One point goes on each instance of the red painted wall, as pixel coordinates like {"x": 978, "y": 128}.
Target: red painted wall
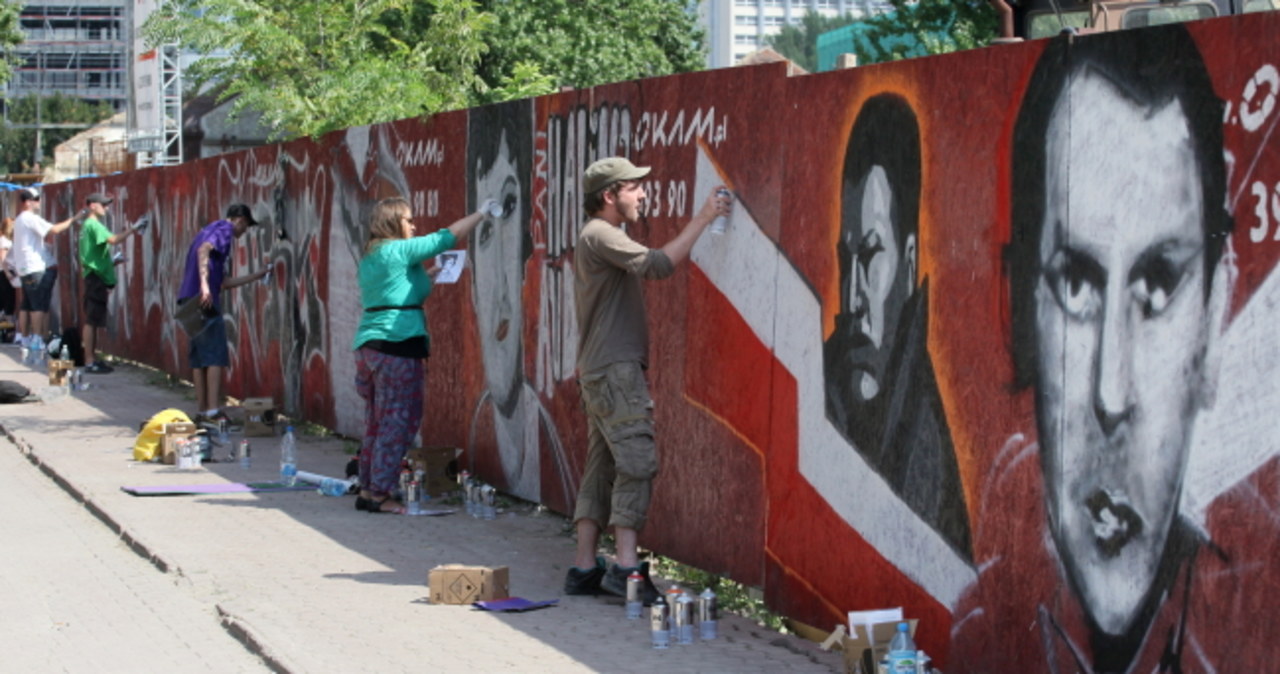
{"x": 760, "y": 478}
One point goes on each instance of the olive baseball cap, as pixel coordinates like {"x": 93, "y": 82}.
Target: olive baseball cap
{"x": 607, "y": 171}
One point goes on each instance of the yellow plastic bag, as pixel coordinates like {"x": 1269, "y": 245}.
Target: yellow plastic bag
{"x": 147, "y": 446}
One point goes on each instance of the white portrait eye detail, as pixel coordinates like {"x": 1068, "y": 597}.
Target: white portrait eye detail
{"x": 1076, "y": 285}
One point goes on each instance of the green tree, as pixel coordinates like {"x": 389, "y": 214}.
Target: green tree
{"x": 17, "y": 146}
{"x": 928, "y": 26}
{"x": 313, "y": 66}
{"x": 582, "y": 44}
{"x": 10, "y": 36}
{"x": 799, "y": 43}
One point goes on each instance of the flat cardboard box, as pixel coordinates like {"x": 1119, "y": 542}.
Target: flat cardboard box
{"x": 460, "y": 584}
{"x": 58, "y": 371}
{"x": 439, "y": 467}
{"x": 172, "y": 433}
{"x": 259, "y": 417}
{"x": 855, "y": 658}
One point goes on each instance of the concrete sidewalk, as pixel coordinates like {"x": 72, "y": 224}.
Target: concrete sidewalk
{"x": 312, "y": 585}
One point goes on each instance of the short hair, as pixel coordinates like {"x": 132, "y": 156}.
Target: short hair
{"x": 1154, "y": 68}
{"x": 384, "y": 221}
{"x": 593, "y": 202}
{"x": 885, "y": 134}
{"x": 486, "y": 127}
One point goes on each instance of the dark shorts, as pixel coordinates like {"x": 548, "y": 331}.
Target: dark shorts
{"x": 96, "y": 293}
{"x": 209, "y": 346}
{"x": 37, "y": 290}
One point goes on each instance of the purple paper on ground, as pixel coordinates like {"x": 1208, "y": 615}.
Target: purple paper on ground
{"x": 223, "y": 488}
{"x": 514, "y": 604}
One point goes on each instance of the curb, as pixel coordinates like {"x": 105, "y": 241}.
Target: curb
{"x": 233, "y": 625}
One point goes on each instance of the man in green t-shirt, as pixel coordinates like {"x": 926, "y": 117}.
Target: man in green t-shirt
{"x": 99, "y": 274}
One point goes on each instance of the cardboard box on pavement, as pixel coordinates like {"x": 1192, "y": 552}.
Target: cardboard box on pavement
{"x": 439, "y": 465}
{"x": 259, "y": 417}
{"x": 460, "y": 584}
{"x": 172, "y": 433}
{"x": 856, "y": 647}
{"x": 59, "y": 370}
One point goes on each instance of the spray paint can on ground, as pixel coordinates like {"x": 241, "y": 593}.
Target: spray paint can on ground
{"x": 635, "y": 602}
{"x": 410, "y": 494}
{"x": 683, "y": 618}
{"x": 488, "y": 505}
{"x": 708, "y": 615}
{"x": 242, "y": 452}
{"x": 660, "y": 623}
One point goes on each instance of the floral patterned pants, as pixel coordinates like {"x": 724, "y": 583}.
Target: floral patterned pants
{"x": 392, "y": 388}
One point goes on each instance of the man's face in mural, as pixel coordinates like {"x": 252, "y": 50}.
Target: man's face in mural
{"x": 497, "y": 268}
{"x": 1121, "y": 289}
{"x": 880, "y": 279}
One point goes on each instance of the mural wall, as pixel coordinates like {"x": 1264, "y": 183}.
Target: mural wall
{"x": 990, "y": 336}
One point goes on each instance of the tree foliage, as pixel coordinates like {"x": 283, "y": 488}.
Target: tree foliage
{"x": 10, "y": 36}
{"x": 313, "y": 66}
{"x": 799, "y": 43}
{"x": 939, "y": 26}
{"x": 581, "y": 44}
{"x": 17, "y": 146}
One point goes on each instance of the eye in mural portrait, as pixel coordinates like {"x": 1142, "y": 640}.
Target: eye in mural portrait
{"x": 881, "y": 390}
{"x": 499, "y": 159}
{"x": 1119, "y": 281}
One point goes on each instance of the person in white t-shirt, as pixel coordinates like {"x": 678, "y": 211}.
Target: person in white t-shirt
{"x": 13, "y": 298}
{"x": 35, "y": 263}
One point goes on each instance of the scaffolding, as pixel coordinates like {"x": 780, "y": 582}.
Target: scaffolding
{"x": 73, "y": 49}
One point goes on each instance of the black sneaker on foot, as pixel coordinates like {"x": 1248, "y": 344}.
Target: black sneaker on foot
{"x": 99, "y": 367}
{"x": 615, "y": 582}
{"x": 584, "y": 581}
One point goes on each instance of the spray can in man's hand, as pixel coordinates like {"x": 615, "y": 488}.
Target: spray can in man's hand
{"x": 721, "y": 222}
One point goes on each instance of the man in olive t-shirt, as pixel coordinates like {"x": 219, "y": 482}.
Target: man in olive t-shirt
{"x": 613, "y": 348}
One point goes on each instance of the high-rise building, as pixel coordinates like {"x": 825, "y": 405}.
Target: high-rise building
{"x": 736, "y": 28}
{"x": 76, "y": 48}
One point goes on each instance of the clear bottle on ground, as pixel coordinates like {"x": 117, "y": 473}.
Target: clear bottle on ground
{"x": 902, "y": 651}
{"x": 288, "y": 458}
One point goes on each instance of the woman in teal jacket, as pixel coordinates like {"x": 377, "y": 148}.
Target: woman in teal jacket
{"x": 392, "y": 342}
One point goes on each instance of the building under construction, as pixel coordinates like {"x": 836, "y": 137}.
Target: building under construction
{"x": 77, "y": 48}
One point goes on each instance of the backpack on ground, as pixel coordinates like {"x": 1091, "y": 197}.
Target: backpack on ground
{"x": 13, "y": 392}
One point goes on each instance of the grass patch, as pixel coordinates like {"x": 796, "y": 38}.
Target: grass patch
{"x": 731, "y": 595}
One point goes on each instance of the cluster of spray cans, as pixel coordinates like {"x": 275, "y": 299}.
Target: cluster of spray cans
{"x": 413, "y": 490}
{"x": 677, "y": 615}
{"x": 480, "y": 497}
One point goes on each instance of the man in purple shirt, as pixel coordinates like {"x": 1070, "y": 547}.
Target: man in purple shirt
{"x": 203, "y": 282}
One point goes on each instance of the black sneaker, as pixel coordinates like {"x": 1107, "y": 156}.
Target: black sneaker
{"x": 99, "y": 367}
{"x": 615, "y": 582}
{"x": 584, "y": 581}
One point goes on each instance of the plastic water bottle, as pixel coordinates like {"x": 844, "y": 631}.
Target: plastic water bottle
{"x": 288, "y": 458}
{"x": 902, "y": 651}
{"x": 65, "y": 353}
{"x": 332, "y": 486}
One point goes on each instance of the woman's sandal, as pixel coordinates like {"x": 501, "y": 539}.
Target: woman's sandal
{"x": 375, "y": 506}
